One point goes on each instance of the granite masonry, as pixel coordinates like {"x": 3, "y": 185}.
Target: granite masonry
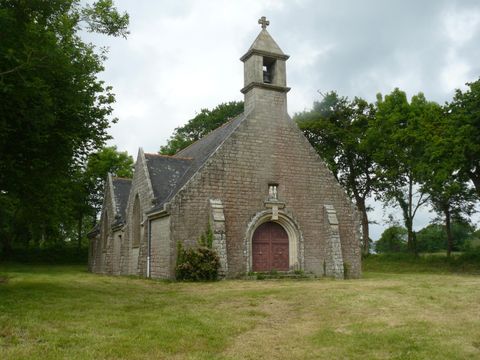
{"x": 268, "y": 197}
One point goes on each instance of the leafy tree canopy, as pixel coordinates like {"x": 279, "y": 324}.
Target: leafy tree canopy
{"x": 463, "y": 134}
{"x": 99, "y": 164}
{"x": 433, "y": 237}
{"x": 337, "y": 128}
{"x": 54, "y": 110}
{"x": 392, "y": 240}
{"x": 206, "y": 121}
{"x": 398, "y": 139}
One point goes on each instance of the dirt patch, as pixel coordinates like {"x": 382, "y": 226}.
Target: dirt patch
{"x": 3, "y": 280}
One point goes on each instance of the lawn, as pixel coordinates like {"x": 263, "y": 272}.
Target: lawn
{"x": 63, "y": 312}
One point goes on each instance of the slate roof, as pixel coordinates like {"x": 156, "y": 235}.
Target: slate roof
{"x": 170, "y": 173}
{"x": 94, "y": 232}
{"x": 165, "y": 172}
{"x": 121, "y": 191}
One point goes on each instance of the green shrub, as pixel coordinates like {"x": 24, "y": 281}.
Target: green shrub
{"x": 197, "y": 264}
{"x": 393, "y": 240}
{"x": 206, "y": 239}
{"x": 200, "y": 263}
{"x": 471, "y": 252}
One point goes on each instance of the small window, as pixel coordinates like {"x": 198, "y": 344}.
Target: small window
{"x": 268, "y": 70}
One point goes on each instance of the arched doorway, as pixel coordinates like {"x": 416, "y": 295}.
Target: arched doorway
{"x": 270, "y": 248}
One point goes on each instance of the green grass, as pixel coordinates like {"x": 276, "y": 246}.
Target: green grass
{"x": 436, "y": 263}
{"x": 63, "y": 312}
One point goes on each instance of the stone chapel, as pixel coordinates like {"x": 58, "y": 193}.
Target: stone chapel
{"x": 268, "y": 196}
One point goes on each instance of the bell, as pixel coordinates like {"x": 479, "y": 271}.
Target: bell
{"x": 266, "y": 77}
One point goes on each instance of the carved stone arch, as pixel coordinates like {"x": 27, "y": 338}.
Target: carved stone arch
{"x": 296, "y": 245}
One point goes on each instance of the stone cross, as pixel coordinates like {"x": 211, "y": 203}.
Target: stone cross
{"x": 264, "y": 22}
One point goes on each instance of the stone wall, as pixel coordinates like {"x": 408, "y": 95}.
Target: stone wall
{"x": 266, "y": 148}
{"x": 133, "y": 259}
{"x": 116, "y": 244}
{"x": 102, "y": 252}
{"x": 160, "y": 248}
{"x": 95, "y": 254}
{"x": 334, "y": 259}
{"x": 219, "y": 243}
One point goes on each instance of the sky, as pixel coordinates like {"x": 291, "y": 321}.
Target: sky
{"x": 183, "y": 55}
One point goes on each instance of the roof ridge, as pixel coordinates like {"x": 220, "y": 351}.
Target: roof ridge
{"x": 242, "y": 117}
{"x": 209, "y": 133}
{"x": 169, "y": 156}
{"x": 121, "y": 178}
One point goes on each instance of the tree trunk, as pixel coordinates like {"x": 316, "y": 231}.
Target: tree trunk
{"x": 448, "y": 229}
{"x": 79, "y": 234}
{"x": 365, "y": 228}
{"x": 411, "y": 238}
{"x": 475, "y": 177}
{"x": 409, "y": 221}
{"x": 95, "y": 217}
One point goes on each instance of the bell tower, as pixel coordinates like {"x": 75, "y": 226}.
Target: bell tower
{"x": 264, "y": 71}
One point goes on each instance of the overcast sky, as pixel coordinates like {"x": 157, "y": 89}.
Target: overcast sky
{"x": 182, "y": 56}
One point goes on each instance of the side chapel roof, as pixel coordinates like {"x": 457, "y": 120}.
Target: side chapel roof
{"x": 169, "y": 174}
{"x": 165, "y": 172}
{"x": 121, "y": 191}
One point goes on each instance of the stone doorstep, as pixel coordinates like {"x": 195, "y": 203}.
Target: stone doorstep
{"x": 279, "y": 275}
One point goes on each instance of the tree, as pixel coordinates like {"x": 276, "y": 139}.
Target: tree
{"x": 463, "y": 141}
{"x": 201, "y": 125}
{"x": 449, "y": 192}
{"x": 99, "y": 165}
{"x": 54, "y": 110}
{"x": 433, "y": 237}
{"x": 392, "y": 240}
{"x": 452, "y": 199}
{"x": 336, "y": 127}
{"x": 397, "y": 137}
{"x": 87, "y": 186}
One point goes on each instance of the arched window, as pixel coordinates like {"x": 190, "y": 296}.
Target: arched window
{"x": 136, "y": 222}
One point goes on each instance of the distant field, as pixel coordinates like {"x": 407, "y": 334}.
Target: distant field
{"x": 63, "y": 312}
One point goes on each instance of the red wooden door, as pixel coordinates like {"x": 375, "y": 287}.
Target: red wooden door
{"x": 270, "y": 248}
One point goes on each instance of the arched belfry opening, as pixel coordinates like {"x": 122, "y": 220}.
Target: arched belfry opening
{"x": 268, "y": 70}
{"x": 270, "y": 248}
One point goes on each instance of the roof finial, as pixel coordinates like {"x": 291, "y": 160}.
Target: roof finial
{"x": 264, "y": 22}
